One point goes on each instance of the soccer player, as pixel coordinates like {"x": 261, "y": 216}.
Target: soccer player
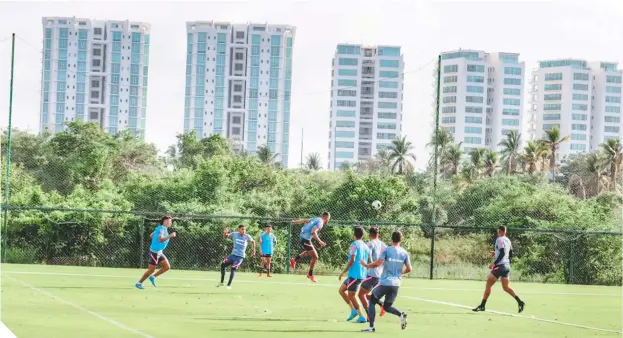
{"x": 155, "y": 255}
{"x": 240, "y": 239}
{"x": 309, "y": 231}
{"x": 356, "y": 274}
{"x": 392, "y": 259}
{"x": 267, "y": 244}
{"x": 500, "y": 268}
{"x": 376, "y": 246}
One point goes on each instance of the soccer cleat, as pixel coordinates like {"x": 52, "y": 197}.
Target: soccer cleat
{"x": 139, "y": 286}
{"x": 361, "y": 319}
{"x": 403, "y": 320}
{"x": 311, "y": 278}
{"x": 228, "y": 287}
{"x": 382, "y": 312}
{"x": 219, "y": 285}
{"x": 269, "y": 275}
{"x": 260, "y": 275}
{"x": 152, "y": 279}
{"x": 480, "y": 308}
{"x": 353, "y": 314}
{"x": 521, "y": 306}
{"x": 293, "y": 263}
{"x": 368, "y": 329}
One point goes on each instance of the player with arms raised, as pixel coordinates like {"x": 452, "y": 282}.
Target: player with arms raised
{"x": 393, "y": 259}
{"x": 376, "y": 246}
{"x": 500, "y": 268}
{"x": 309, "y": 231}
{"x": 359, "y": 252}
{"x": 155, "y": 255}
{"x": 267, "y": 245}
{"x": 240, "y": 239}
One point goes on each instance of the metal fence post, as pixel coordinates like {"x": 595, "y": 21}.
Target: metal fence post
{"x": 288, "y": 255}
{"x": 571, "y": 262}
{"x": 432, "y": 252}
{"x": 141, "y": 234}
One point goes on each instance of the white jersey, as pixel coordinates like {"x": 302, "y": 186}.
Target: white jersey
{"x": 376, "y": 247}
{"x": 503, "y": 243}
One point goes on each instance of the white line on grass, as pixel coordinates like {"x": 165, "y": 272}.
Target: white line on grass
{"x": 513, "y": 315}
{"x": 297, "y": 283}
{"x": 95, "y": 314}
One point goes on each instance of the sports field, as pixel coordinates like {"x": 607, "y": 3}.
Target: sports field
{"x": 55, "y": 301}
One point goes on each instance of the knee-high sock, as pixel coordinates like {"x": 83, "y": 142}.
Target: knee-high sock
{"x": 231, "y": 276}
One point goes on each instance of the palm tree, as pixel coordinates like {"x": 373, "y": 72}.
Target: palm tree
{"x": 597, "y": 170}
{"x": 552, "y": 141}
{"x": 477, "y": 158}
{"x": 491, "y": 162}
{"x": 614, "y": 152}
{"x": 452, "y": 159}
{"x": 313, "y": 162}
{"x": 400, "y": 155}
{"x": 265, "y": 155}
{"x": 382, "y": 158}
{"x": 510, "y": 150}
{"x": 469, "y": 174}
{"x": 345, "y": 166}
{"x": 543, "y": 154}
{"x": 444, "y": 140}
{"x": 531, "y": 157}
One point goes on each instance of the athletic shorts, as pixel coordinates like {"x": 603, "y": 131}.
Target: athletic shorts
{"x": 352, "y": 284}
{"x": 267, "y": 255}
{"x": 233, "y": 260}
{"x": 307, "y": 244}
{"x": 501, "y": 271}
{"x": 389, "y": 292}
{"x": 154, "y": 258}
{"x": 369, "y": 283}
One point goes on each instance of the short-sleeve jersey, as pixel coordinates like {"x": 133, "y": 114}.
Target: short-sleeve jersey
{"x": 240, "y": 243}
{"x": 395, "y": 258}
{"x": 503, "y": 243}
{"x": 306, "y": 231}
{"x": 156, "y": 245}
{"x": 360, "y": 251}
{"x": 268, "y": 243}
{"x": 376, "y": 247}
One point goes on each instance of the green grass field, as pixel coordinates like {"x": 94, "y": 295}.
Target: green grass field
{"x": 56, "y": 301}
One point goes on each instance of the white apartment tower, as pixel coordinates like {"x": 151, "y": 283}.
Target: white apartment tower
{"x": 582, "y": 99}
{"x": 94, "y": 71}
{"x": 481, "y": 97}
{"x": 238, "y": 84}
{"x": 366, "y": 102}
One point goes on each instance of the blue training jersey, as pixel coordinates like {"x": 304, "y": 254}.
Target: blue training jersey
{"x": 395, "y": 258}
{"x": 240, "y": 243}
{"x": 268, "y": 243}
{"x": 376, "y": 246}
{"x": 156, "y": 245}
{"x": 360, "y": 250}
{"x": 306, "y": 231}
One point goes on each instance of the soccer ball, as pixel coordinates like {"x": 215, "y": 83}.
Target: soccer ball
{"x": 376, "y": 205}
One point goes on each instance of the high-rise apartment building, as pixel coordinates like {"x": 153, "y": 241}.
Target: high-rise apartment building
{"x": 582, "y": 99}
{"x": 481, "y": 97}
{"x": 94, "y": 71}
{"x": 238, "y": 84}
{"x": 366, "y": 102}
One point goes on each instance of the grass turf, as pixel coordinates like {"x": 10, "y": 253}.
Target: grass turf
{"x": 58, "y": 301}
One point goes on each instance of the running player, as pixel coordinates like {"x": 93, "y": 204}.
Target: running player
{"x": 240, "y": 239}
{"x": 392, "y": 259}
{"x": 500, "y": 268}
{"x": 267, "y": 244}
{"x": 359, "y": 252}
{"x": 376, "y": 246}
{"x": 155, "y": 255}
{"x": 309, "y": 231}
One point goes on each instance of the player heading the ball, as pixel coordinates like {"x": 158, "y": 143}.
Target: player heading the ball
{"x": 155, "y": 255}
{"x": 267, "y": 246}
{"x": 309, "y": 231}
{"x": 240, "y": 239}
{"x": 501, "y": 268}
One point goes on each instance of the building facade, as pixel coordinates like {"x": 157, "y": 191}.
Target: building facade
{"x": 583, "y": 100}
{"x": 94, "y": 71}
{"x": 238, "y": 84}
{"x": 481, "y": 98}
{"x": 366, "y": 102}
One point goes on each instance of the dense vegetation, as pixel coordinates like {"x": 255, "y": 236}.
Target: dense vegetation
{"x": 56, "y": 179}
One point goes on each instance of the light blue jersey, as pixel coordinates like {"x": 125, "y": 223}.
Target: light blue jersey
{"x": 268, "y": 243}
{"x": 360, "y": 250}
{"x": 240, "y": 243}
{"x": 156, "y": 245}
{"x": 395, "y": 258}
{"x": 376, "y": 247}
{"x": 306, "y": 231}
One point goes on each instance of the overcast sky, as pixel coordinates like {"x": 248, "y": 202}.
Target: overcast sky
{"x": 589, "y": 29}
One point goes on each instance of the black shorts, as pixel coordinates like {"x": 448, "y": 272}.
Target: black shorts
{"x": 307, "y": 244}
{"x": 352, "y": 284}
{"x": 267, "y": 255}
{"x": 153, "y": 258}
{"x": 389, "y": 292}
{"x": 501, "y": 271}
{"x": 369, "y": 283}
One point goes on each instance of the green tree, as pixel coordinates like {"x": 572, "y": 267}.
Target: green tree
{"x": 491, "y": 162}
{"x": 313, "y": 162}
{"x": 477, "y": 159}
{"x": 614, "y": 152}
{"x": 510, "y": 150}
{"x": 451, "y": 161}
{"x": 552, "y": 141}
{"x": 530, "y": 157}
{"x": 401, "y": 156}
{"x": 444, "y": 140}
{"x": 265, "y": 155}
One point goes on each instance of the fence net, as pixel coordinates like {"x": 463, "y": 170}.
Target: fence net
{"x": 84, "y": 197}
